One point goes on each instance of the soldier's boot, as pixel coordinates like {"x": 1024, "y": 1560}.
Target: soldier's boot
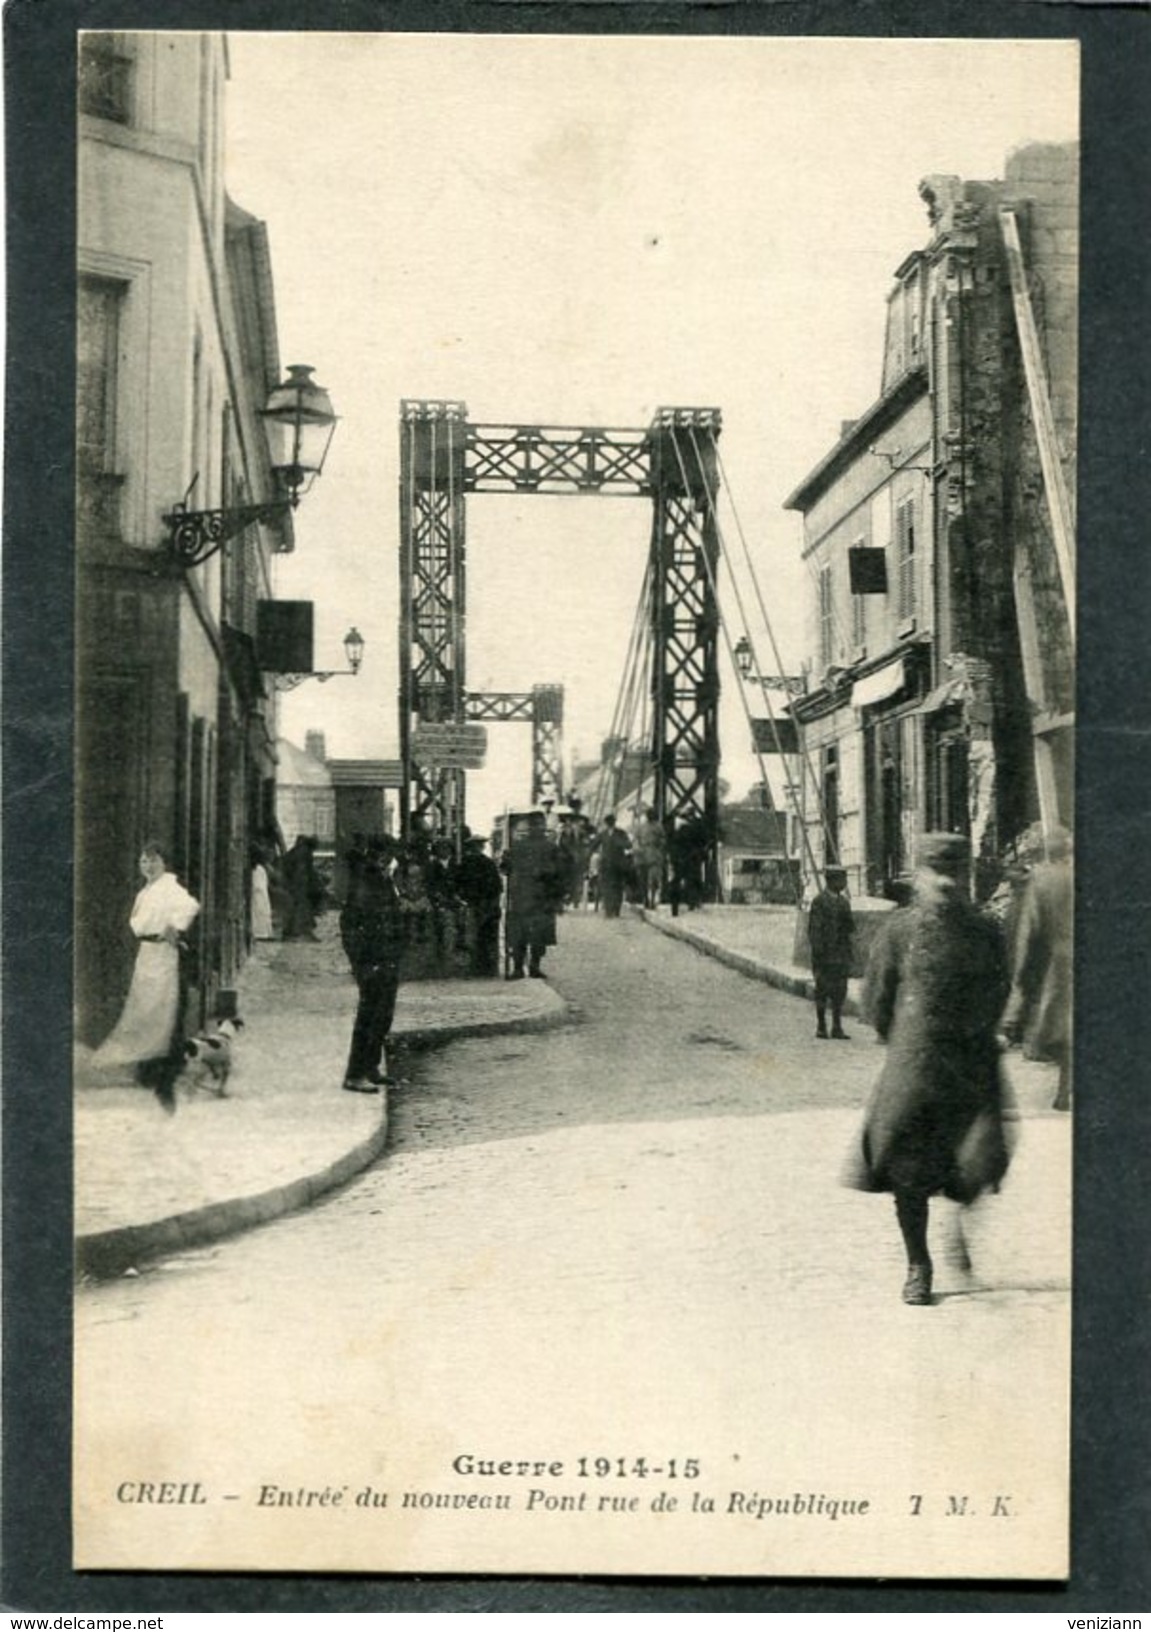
{"x": 911, "y": 1211}
{"x": 837, "y": 1030}
{"x": 820, "y": 1020}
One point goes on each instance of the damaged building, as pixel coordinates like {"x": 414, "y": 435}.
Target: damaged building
{"x": 939, "y": 537}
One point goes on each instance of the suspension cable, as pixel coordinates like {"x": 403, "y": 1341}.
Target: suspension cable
{"x": 829, "y": 838}
{"x": 645, "y": 679}
{"x": 623, "y": 695}
{"x": 711, "y": 575}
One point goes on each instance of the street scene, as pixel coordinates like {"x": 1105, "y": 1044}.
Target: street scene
{"x": 628, "y": 1231}
{"x": 572, "y": 1040}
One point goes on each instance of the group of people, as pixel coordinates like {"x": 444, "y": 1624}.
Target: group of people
{"x": 606, "y": 866}
{"x": 946, "y": 992}
{"x": 943, "y": 989}
{"x": 286, "y": 888}
{"x": 441, "y": 891}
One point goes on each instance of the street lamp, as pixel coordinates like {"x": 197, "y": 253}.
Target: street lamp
{"x": 353, "y": 646}
{"x": 794, "y": 684}
{"x": 299, "y": 423}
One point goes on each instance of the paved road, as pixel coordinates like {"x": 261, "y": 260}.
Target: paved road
{"x": 622, "y": 1239}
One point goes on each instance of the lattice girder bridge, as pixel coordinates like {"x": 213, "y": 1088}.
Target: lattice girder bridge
{"x": 672, "y": 463}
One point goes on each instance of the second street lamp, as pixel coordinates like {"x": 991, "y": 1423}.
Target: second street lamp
{"x": 353, "y": 646}
{"x": 794, "y": 684}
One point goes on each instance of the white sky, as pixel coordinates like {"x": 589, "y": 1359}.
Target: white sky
{"x": 572, "y": 230}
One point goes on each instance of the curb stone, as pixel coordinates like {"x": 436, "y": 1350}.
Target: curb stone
{"x": 107, "y": 1254}
{"x": 798, "y": 985}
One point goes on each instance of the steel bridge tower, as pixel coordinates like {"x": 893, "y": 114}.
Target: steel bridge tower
{"x": 672, "y": 462}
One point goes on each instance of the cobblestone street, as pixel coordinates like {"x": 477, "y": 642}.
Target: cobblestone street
{"x": 623, "y": 1238}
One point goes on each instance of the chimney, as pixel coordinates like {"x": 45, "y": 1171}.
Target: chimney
{"x": 315, "y": 746}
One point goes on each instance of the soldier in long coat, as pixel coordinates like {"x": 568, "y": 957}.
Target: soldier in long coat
{"x": 477, "y": 882}
{"x": 535, "y": 888}
{"x": 1039, "y": 1009}
{"x": 373, "y": 932}
{"x": 831, "y": 932}
{"x": 614, "y": 849}
{"x": 935, "y": 989}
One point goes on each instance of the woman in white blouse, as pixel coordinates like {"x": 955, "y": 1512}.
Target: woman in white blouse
{"x": 145, "y": 1034}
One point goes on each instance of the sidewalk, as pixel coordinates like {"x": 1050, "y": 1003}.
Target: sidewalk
{"x": 759, "y": 942}
{"x": 147, "y": 1183}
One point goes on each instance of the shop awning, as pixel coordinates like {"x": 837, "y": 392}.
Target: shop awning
{"x": 884, "y": 683}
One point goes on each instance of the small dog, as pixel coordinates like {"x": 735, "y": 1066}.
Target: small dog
{"x": 209, "y": 1056}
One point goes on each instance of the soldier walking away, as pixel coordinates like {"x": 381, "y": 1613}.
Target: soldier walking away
{"x": 936, "y": 984}
{"x": 1039, "y": 1009}
{"x": 372, "y": 932}
{"x": 535, "y": 884}
{"x": 614, "y": 850}
{"x": 650, "y": 849}
{"x": 831, "y": 932}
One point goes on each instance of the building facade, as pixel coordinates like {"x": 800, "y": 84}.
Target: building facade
{"x": 305, "y": 796}
{"x": 940, "y": 646}
{"x": 177, "y": 351}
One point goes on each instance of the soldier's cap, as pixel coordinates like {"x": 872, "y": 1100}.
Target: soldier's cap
{"x": 943, "y": 852}
{"x": 834, "y": 872}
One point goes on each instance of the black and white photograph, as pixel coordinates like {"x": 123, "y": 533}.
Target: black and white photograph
{"x": 575, "y": 676}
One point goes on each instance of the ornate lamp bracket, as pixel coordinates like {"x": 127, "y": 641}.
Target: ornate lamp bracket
{"x": 195, "y": 535}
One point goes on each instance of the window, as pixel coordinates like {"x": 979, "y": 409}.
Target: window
{"x": 97, "y": 365}
{"x": 905, "y": 559}
{"x": 106, "y": 77}
{"x": 826, "y": 617}
{"x": 914, "y": 319}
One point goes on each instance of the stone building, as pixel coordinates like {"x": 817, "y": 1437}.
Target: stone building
{"x": 177, "y": 351}
{"x": 938, "y": 533}
{"x": 305, "y": 796}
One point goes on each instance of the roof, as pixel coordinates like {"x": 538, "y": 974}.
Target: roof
{"x": 882, "y": 413}
{"x": 591, "y": 784}
{"x": 295, "y": 768}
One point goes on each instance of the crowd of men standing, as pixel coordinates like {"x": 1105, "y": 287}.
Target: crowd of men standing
{"x": 429, "y": 895}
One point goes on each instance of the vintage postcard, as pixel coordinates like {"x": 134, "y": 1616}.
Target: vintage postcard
{"x": 575, "y": 571}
